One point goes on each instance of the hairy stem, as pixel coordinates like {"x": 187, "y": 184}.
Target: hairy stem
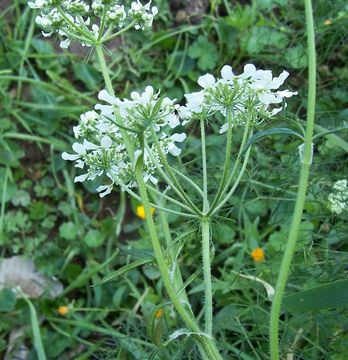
{"x": 190, "y": 322}
{"x": 208, "y": 293}
{"x": 204, "y": 167}
{"x": 110, "y": 90}
{"x": 302, "y": 189}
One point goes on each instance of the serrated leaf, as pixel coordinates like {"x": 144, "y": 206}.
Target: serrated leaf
{"x": 331, "y": 295}
{"x": 205, "y": 52}
{"x": 264, "y": 36}
{"x": 68, "y": 231}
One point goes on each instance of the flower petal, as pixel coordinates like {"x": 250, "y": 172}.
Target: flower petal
{"x": 70, "y": 157}
{"x": 105, "y": 96}
{"x": 81, "y": 178}
{"x": 226, "y": 72}
{"x": 105, "y": 142}
{"x": 178, "y": 137}
{"x": 206, "y": 81}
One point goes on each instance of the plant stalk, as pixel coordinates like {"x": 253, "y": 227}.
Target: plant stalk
{"x": 208, "y": 292}
{"x": 110, "y": 90}
{"x": 208, "y": 344}
{"x": 302, "y": 189}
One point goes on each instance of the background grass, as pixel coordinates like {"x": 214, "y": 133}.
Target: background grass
{"x": 71, "y": 234}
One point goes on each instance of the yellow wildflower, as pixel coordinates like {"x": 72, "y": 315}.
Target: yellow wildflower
{"x": 63, "y": 310}
{"x": 159, "y": 313}
{"x": 140, "y": 212}
{"x": 258, "y": 255}
{"x": 328, "y": 22}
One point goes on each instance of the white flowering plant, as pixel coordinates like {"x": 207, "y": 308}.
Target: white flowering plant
{"x": 91, "y": 24}
{"x": 130, "y": 142}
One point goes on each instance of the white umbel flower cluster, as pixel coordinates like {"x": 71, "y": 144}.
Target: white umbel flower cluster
{"x": 76, "y": 19}
{"x": 101, "y": 151}
{"x": 253, "y": 91}
{"x": 338, "y": 198}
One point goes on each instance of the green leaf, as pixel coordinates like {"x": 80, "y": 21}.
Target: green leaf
{"x": 205, "y": 52}
{"x": 296, "y": 57}
{"x": 21, "y": 198}
{"x": 88, "y": 75}
{"x": 133, "y": 265}
{"x": 332, "y": 295}
{"x": 94, "y": 238}
{"x": 274, "y": 131}
{"x": 264, "y": 36}
{"x": 7, "y": 300}
{"x": 38, "y": 210}
{"x": 68, "y": 231}
{"x": 36, "y": 331}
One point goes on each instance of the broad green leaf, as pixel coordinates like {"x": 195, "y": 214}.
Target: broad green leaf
{"x": 7, "y": 300}
{"x": 88, "y": 75}
{"x": 94, "y": 238}
{"x": 331, "y": 295}
{"x": 296, "y": 57}
{"x": 68, "y": 231}
{"x": 205, "y": 52}
{"x": 262, "y": 37}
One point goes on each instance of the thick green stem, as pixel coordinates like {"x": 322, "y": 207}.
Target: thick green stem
{"x": 302, "y": 189}
{"x": 208, "y": 293}
{"x": 110, "y": 90}
{"x": 104, "y": 69}
{"x": 177, "y": 277}
{"x": 161, "y": 261}
{"x": 205, "y": 228}
{"x": 204, "y": 167}
{"x": 208, "y": 344}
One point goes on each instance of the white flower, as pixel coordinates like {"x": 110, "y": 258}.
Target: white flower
{"x": 141, "y": 110}
{"x": 65, "y": 43}
{"x": 142, "y": 15}
{"x": 74, "y": 19}
{"x": 116, "y": 15}
{"x": 251, "y": 91}
{"x": 76, "y": 6}
{"x": 102, "y": 152}
{"x": 338, "y": 198}
{"x": 37, "y": 4}
{"x": 206, "y": 81}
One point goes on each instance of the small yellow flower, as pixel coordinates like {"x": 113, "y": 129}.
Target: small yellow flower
{"x": 328, "y": 22}
{"x": 140, "y": 212}
{"x": 159, "y": 313}
{"x": 63, "y": 310}
{"x": 258, "y": 255}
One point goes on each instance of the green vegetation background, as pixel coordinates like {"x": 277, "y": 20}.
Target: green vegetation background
{"x": 70, "y": 233}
